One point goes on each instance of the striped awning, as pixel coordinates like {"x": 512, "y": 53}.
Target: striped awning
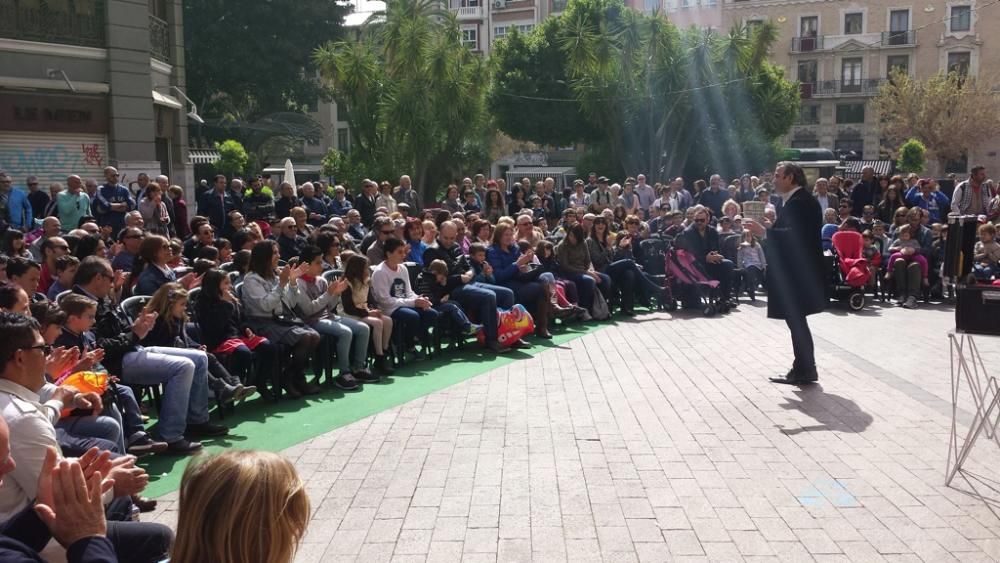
{"x": 202, "y": 156}
{"x": 882, "y": 167}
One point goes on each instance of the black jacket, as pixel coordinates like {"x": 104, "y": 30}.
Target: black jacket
{"x": 24, "y": 535}
{"x": 218, "y": 321}
{"x": 796, "y": 268}
{"x": 366, "y": 207}
{"x": 700, "y": 246}
{"x": 457, "y": 262}
{"x": 113, "y": 332}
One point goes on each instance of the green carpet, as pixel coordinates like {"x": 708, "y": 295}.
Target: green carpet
{"x": 265, "y": 425}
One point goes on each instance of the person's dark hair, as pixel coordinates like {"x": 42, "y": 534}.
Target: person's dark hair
{"x": 241, "y": 262}
{"x": 9, "y": 237}
{"x": 209, "y": 253}
{"x": 90, "y": 268}
{"x": 325, "y": 240}
{"x": 976, "y": 168}
{"x": 476, "y": 247}
{"x": 599, "y": 220}
{"x": 71, "y": 242}
{"x": 391, "y": 244}
{"x": 211, "y": 287}
{"x": 218, "y": 177}
{"x": 86, "y": 219}
{"x": 221, "y": 244}
{"x": 19, "y": 333}
{"x": 8, "y": 297}
{"x": 578, "y": 233}
{"x": 128, "y": 231}
{"x": 355, "y": 267}
{"x": 47, "y": 313}
{"x": 310, "y": 253}
{"x": 48, "y": 244}
{"x": 542, "y": 246}
{"x": 412, "y": 223}
{"x": 261, "y": 258}
{"x": 75, "y": 304}
{"x": 17, "y": 266}
{"x": 798, "y": 175}
{"x": 196, "y": 222}
{"x": 148, "y": 249}
{"x": 202, "y": 265}
{"x": 240, "y": 238}
{"x": 852, "y": 223}
{"x": 87, "y": 246}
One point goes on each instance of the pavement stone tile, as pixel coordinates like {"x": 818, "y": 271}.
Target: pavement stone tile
{"x": 651, "y": 440}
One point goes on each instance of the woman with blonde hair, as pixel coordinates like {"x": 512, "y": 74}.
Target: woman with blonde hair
{"x": 240, "y": 506}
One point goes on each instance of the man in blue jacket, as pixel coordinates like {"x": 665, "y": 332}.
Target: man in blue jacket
{"x": 113, "y": 200}
{"x": 14, "y": 205}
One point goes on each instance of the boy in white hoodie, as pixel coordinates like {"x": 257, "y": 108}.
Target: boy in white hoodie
{"x": 395, "y": 297}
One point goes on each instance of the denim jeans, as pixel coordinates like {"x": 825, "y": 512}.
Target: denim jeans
{"x": 481, "y": 300}
{"x": 414, "y": 323}
{"x": 103, "y": 427}
{"x": 349, "y": 334}
{"x": 455, "y": 313}
{"x": 184, "y": 375}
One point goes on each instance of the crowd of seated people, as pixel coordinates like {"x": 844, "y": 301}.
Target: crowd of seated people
{"x": 250, "y": 292}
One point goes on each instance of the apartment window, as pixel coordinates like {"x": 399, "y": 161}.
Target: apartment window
{"x": 809, "y": 26}
{"x": 853, "y": 23}
{"x": 959, "y": 62}
{"x": 651, "y": 5}
{"x": 752, "y": 26}
{"x": 850, "y": 113}
{"x": 470, "y": 38}
{"x": 850, "y": 71}
{"x": 897, "y": 62}
{"x": 807, "y": 72}
{"x": 344, "y": 140}
{"x": 959, "y": 166}
{"x": 499, "y": 32}
{"x": 470, "y": 3}
{"x": 961, "y": 18}
{"x": 525, "y": 28}
{"x": 899, "y": 20}
{"x": 809, "y": 114}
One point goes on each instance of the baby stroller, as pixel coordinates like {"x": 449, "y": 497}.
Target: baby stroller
{"x": 849, "y": 273}
{"x": 687, "y": 280}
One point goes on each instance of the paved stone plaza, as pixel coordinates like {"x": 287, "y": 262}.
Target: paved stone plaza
{"x": 660, "y": 439}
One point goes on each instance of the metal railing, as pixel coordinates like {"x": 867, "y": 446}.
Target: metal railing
{"x": 159, "y": 39}
{"x": 857, "y": 86}
{"x": 807, "y": 44}
{"x": 894, "y": 38}
{"x": 79, "y": 22}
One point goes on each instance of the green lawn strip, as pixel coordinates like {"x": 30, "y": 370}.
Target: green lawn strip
{"x": 265, "y": 425}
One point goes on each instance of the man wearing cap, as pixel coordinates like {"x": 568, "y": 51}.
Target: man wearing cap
{"x": 601, "y": 198}
{"x": 38, "y": 199}
{"x": 365, "y": 203}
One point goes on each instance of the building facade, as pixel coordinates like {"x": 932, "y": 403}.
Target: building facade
{"x": 89, "y": 83}
{"x": 841, "y": 51}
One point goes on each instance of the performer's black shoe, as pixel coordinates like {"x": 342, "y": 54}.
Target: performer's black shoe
{"x": 796, "y": 376}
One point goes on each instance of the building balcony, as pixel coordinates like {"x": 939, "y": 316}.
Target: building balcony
{"x": 855, "y": 87}
{"x": 467, "y": 13}
{"x": 899, "y": 38}
{"x": 159, "y": 39}
{"x": 807, "y": 44}
{"x": 75, "y": 22}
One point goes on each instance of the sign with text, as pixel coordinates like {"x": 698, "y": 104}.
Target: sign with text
{"x": 53, "y": 114}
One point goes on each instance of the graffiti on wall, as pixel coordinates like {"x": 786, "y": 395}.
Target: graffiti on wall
{"x": 52, "y": 162}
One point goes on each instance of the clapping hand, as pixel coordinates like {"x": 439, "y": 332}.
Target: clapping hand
{"x": 144, "y": 324}
{"x": 338, "y": 286}
{"x": 69, "y": 496}
{"x": 61, "y": 360}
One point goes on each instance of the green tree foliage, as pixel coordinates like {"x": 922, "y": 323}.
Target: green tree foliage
{"x": 333, "y": 163}
{"x": 413, "y": 95}
{"x": 663, "y": 99}
{"x": 252, "y": 59}
{"x": 233, "y": 158}
{"x": 912, "y": 156}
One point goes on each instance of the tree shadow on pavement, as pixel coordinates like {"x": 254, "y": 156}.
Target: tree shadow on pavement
{"x": 833, "y": 412}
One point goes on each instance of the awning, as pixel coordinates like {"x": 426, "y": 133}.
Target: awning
{"x": 202, "y": 156}
{"x": 882, "y": 167}
{"x": 165, "y": 100}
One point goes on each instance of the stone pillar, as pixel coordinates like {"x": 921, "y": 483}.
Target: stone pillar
{"x": 131, "y": 135}
{"x": 182, "y": 173}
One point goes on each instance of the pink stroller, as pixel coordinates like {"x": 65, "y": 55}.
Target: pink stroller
{"x": 850, "y": 274}
{"x": 691, "y": 284}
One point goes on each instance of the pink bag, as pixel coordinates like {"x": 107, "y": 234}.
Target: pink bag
{"x": 513, "y": 325}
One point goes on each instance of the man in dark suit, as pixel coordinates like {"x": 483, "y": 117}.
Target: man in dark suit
{"x": 365, "y": 203}
{"x": 702, "y": 241}
{"x": 796, "y": 267}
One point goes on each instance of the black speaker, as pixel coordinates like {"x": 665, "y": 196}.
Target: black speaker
{"x": 958, "y": 248}
{"x": 977, "y": 309}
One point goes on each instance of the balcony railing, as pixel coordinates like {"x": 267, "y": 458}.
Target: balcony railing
{"x": 469, "y": 12}
{"x": 850, "y": 87}
{"x": 77, "y": 22}
{"x": 807, "y": 44}
{"x": 896, "y": 38}
{"x": 159, "y": 39}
